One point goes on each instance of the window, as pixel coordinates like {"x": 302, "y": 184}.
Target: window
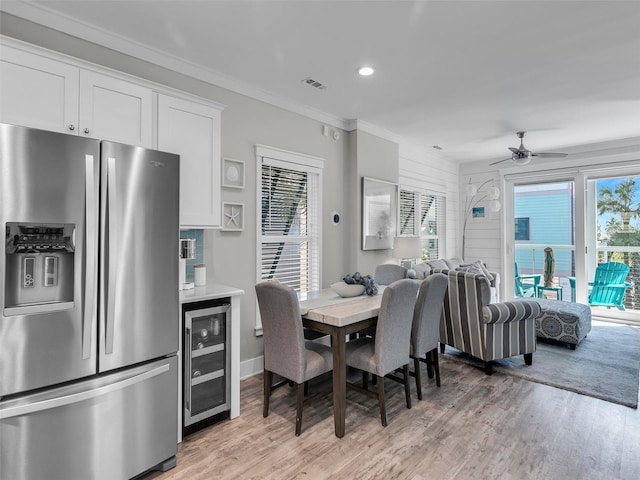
{"x": 289, "y": 233}
{"x": 521, "y": 226}
{"x": 423, "y": 215}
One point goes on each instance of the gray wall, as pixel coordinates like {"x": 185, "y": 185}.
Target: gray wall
{"x": 375, "y": 158}
{"x": 231, "y": 256}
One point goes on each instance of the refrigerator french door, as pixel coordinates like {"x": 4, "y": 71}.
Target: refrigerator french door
{"x": 89, "y": 306}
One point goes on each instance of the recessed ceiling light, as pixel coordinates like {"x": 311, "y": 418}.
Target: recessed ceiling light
{"x": 366, "y": 71}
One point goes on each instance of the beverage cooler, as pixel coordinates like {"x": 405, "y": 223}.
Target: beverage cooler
{"x": 206, "y": 361}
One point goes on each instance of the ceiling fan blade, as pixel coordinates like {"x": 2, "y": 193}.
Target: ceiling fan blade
{"x": 500, "y": 161}
{"x": 549, "y": 155}
{"x": 514, "y": 150}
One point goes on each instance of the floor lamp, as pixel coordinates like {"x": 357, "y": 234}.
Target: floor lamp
{"x": 475, "y": 195}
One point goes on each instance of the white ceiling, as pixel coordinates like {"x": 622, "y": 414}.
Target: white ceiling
{"x": 465, "y": 75}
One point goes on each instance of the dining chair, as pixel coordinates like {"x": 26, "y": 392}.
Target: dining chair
{"x": 387, "y": 273}
{"x": 425, "y": 330}
{"x": 286, "y": 352}
{"x": 389, "y": 350}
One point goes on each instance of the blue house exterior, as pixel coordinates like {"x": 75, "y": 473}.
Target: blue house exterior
{"x": 547, "y": 211}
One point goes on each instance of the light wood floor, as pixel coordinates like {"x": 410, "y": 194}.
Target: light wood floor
{"x": 473, "y": 427}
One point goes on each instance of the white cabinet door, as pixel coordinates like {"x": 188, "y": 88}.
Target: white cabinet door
{"x": 116, "y": 110}
{"x": 192, "y": 130}
{"x": 38, "y": 92}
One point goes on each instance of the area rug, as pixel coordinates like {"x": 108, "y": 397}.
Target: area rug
{"x": 604, "y": 365}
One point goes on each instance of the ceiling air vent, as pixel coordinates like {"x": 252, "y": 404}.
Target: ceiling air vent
{"x": 314, "y": 83}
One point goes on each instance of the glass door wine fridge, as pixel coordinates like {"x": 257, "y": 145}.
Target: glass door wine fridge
{"x": 206, "y": 363}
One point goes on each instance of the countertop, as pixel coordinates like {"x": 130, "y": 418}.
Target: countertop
{"x": 208, "y": 292}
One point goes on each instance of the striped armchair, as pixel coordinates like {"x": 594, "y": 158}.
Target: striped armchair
{"x": 486, "y": 330}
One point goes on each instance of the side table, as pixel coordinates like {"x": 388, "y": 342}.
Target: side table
{"x": 540, "y": 289}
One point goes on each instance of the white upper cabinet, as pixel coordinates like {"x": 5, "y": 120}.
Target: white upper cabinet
{"x": 38, "y": 92}
{"x": 192, "y": 130}
{"x": 44, "y": 93}
{"x": 116, "y": 110}
{"x": 44, "y": 90}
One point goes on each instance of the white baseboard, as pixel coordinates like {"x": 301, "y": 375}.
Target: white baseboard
{"x": 251, "y": 367}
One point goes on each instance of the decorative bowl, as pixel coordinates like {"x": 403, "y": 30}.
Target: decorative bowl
{"x": 345, "y": 290}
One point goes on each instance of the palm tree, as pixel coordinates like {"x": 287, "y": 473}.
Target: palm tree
{"x": 621, "y": 200}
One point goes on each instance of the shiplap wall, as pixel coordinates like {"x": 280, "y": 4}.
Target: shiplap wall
{"x": 428, "y": 172}
{"x": 483, "y": 235}
{"x": 486, "y": 239}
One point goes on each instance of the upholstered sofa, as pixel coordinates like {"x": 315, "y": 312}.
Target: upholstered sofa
{"x": 487, "y": 331}
{"x": 458, "y": 264}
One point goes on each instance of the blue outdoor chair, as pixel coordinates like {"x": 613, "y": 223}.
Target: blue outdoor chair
{"x": 609, "y": 285}
{"x": 526, "y": 289}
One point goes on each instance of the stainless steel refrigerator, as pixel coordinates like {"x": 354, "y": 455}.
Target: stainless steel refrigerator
{"x": 89, "y": 307}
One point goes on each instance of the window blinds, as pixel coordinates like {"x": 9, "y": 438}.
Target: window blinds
{"x": 424, "y": 215}
{"x": 289, "y": 226}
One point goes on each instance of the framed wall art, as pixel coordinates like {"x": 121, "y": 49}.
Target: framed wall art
{"x": 232, "y": 217}
{"x": 477, "y": 212}
{"x": 379, "y": 214}
{"x": 232, "y": 173}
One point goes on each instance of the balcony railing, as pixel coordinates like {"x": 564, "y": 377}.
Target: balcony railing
{"x": 530, "y": 259}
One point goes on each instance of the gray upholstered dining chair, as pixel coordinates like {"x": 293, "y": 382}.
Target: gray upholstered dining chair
{"x": 389, "y": 350}
{"x": 286, "y": 352}
{"x": 425, "y": 330}
{"x": 388, "y": 273}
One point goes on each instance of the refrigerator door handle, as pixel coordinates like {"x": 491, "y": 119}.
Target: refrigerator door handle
{"x": 112, "y": 259}
{"x": 188, "y": 372}
{"x": 81, "y": 396}
{"x": 91, "y": 254}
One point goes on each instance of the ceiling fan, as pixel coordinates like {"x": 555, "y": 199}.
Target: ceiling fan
{"x": 522, "y": 155}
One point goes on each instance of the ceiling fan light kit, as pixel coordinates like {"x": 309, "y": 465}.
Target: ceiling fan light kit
{"x": 522, "y": 155}
{"x": 521, "y": 160}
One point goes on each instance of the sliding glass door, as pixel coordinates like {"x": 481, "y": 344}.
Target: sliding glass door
{"x": 544, "y": 236}
{"x": 565, "y": 229}
{"x": 615, "y": 241}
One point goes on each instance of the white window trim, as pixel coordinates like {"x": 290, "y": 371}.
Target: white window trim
{"x": 580, "y": 177}
{"x": 422, "y": 192}
{"x": 285, "y": 159}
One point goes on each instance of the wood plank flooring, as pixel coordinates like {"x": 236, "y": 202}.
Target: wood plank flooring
{"x": 473, "y": 427}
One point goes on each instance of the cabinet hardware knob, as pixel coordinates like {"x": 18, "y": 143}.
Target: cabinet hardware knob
{"x": 72, "y": 127}
{"x": 86, "y": 131}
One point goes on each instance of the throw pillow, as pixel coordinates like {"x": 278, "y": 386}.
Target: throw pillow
{"x": 439, "y": 264}
{"x": 471, "y": 268}
{"x": 422, "y": 270}
{"x": 474, "y": 269}
{"x": 479, "y": 265}
{"x": 454, "y": 262}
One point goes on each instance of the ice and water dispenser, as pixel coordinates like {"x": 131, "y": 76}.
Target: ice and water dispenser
{"x": 39, "y": 266}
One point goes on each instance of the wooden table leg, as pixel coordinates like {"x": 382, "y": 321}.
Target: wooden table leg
{"x": 339, "y": 381}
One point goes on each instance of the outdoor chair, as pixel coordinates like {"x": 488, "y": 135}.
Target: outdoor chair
{"x": 526, "y": 289}
{"x": 609, "y": 285}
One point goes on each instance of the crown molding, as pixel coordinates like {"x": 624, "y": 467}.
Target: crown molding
{"x": 362, "y": 126}
{"x": 46, "y": 17}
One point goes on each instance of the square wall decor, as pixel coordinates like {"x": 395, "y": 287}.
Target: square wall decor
{"x": 232, "y": 217}
{"x": 232, "y": 173}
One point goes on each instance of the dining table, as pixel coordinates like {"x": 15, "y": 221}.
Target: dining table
{"x": 326, "y": 312}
